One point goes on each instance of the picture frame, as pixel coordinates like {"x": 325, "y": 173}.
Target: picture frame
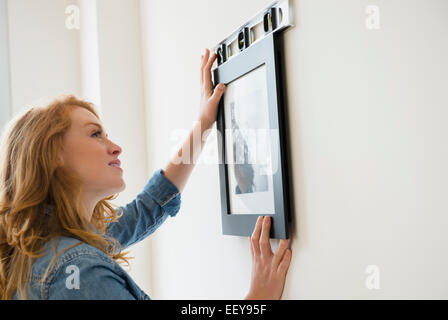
{"x": 251, "y": 128}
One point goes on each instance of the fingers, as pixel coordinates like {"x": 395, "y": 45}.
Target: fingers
{"x": 203, "y": 63}
{"x": 279, "y": 253}
{"x": 265, "y": 245}
{"x": 207, "y": 61}
{"x": 217, "y": 94}
{"x": 206, "y": 72}
{"x": 202, "y": 66}
{"x": 208, "y": 85}
{"x": 255, "y": 238}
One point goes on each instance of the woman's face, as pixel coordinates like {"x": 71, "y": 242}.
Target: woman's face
{"x": 88, "y": 152}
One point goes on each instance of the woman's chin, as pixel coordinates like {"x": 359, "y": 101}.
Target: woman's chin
{"x": 119, "y": 187}
{"x": 123, "y": 186}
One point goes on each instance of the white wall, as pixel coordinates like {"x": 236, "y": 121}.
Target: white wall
{"x": 5, "y": 87}
{"x": 44, "y": 54}
{"x": 367, "y": 113}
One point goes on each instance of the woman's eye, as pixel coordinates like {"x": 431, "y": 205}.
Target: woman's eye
{"x": 96, "y": 133}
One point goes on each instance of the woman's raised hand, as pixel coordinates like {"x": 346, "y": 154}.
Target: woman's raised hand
{"x": 210, "y": 96}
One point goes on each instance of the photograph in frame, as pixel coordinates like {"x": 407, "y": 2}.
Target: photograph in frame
{"x": 248, "y": 147}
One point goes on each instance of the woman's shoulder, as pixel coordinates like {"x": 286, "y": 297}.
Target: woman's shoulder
{"x": 69, "y": 264}
{"x": 59, "y": 251}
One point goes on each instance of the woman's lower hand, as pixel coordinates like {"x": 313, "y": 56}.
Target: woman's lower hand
{"x": 268, "y": 269}
{"x": 210, "y": 96}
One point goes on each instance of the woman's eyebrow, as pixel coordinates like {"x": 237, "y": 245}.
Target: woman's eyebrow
{"x": 96, "y": 124}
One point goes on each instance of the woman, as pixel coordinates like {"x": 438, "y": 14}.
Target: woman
{"x": 60, "y": 238}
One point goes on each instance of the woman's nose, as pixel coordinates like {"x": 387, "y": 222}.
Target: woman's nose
{"x": 116, "y": 149}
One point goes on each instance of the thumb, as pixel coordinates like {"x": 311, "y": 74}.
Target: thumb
{"x": 217, "y": 93}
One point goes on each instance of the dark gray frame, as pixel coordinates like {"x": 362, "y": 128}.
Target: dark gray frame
{"x": 266, "y": 51}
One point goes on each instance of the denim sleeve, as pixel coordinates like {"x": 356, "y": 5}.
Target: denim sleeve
{"x": 87, "y": 277}
{"x": 159, "y": 199}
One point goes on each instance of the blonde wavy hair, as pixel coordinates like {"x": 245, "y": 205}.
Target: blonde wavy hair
{"x": 31, "y": 179}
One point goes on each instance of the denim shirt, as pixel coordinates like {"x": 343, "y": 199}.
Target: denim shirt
{"x": 85, "y": 272}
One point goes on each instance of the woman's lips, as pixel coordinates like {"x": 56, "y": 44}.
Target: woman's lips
{"x": 116, "y": 167}
{"x": 116, "y": 164}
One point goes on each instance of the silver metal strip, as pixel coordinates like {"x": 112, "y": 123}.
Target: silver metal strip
{"x": 275, "y": 17}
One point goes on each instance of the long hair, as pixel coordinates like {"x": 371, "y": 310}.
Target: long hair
{"x": 31, "y": 181}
